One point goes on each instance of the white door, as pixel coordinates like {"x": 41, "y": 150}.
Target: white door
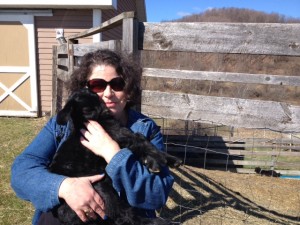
{"x": 18, "y": 76}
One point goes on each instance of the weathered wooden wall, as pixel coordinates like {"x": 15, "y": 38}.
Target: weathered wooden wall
{"x": 217, "y": 104}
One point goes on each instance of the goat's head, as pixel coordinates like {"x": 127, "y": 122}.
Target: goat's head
{"x": 82, "y": 105}
{"x": 257, "y": 169}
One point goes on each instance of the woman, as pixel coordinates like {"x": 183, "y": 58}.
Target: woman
{"x": 115, "y": 79}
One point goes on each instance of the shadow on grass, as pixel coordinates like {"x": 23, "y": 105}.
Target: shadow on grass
{"x": 198, "y": 195}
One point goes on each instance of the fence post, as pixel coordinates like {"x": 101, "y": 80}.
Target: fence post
{"x": 54, "y": 80}
{"x": 71, "y": 55}
{"x": 130, "y": 36}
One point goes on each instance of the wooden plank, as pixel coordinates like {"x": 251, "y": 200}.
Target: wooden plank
{"x": 266, "y": 92}
{"x": 62, "y": 49}
{"x": 232, "y": 144}
{"x": 198, "y": 150}
{"x": 62, "y": 62}
{"x": 109, "y": 24}
{"x": 82, "y": 49}
{"x": 229, "y": 145}
{"x": 249, "y": 140}
{"x": 63, "y": 75}
{"x": 71, "y": 60}
{"x": 221, "y": 110}
{"x": 250, "y": 38}
{"x": 223, "y": 76}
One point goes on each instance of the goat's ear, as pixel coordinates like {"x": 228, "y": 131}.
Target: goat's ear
{"x": 64, "y": 115}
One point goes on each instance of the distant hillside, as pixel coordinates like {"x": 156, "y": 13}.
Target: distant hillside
{"x": 237, "y": 15}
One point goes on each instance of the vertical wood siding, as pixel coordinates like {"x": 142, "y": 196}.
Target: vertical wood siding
{"x": 123, "y": 6}
{"x": 72, "y": 21}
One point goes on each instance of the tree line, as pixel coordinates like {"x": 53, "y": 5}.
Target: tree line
{"x": 237, "y": 15}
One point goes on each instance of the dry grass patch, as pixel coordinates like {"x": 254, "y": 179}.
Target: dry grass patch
{"x": 217, "y": 197}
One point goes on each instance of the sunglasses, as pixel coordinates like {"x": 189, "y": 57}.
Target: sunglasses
{"x": 99, "y": 85}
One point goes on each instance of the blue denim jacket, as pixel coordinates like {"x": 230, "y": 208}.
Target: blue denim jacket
{"x": 31, "y": 180}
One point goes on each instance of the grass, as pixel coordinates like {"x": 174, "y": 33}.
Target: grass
{"x": 15, "y": 135}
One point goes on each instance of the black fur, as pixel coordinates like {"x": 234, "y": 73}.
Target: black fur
{"x": 268, "y": 173}
{"x": 74, "y": 160}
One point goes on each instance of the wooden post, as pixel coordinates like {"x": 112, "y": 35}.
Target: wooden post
{"x": 54, "y": 80}
{"x": 130, "y": 36}
{"x": 71, "y": 55}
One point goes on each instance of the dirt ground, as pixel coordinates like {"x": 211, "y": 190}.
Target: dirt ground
{"x": 216, "y": 197}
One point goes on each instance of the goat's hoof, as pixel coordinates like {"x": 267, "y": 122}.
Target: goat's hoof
{"x": 152, "y": 166}
{"x": 178, "y": 163}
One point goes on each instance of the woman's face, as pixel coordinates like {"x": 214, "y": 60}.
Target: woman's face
{"x": 115, "y": 100}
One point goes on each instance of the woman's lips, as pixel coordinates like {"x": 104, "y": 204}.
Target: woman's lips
{"x": 110, "y": 104}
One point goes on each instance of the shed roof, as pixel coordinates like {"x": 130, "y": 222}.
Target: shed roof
{"x": 58, "y": 4}
{"x": 71, "y": 4}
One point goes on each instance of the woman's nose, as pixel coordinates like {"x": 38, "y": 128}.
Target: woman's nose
{"x": 108, "y": 91}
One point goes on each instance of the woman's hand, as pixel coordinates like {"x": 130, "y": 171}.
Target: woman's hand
{"x": 80, "y": 195}
{"x": 98, "y": 141}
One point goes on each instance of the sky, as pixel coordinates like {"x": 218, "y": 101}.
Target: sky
{"x": 161, "y": 10}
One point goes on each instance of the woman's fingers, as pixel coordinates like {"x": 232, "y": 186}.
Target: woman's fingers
{"x": 96, "y": 139}
{"x": 81, "y": 214}
{"x": 94, "y": 127}
{"x": 98, "y": 204}
{"x": 82, "y": 197}
{"x": 97, "y": 207}
{"x": 89, "y": 213}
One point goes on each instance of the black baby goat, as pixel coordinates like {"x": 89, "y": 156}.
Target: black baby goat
{"x": 74, "y": 160}
{"x": 268, "y": 173}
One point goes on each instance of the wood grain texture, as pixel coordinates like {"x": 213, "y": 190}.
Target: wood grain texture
{"x": 221, "y": 37}
{"x": 221, "y": 110}
{"x": 223, "y": 76}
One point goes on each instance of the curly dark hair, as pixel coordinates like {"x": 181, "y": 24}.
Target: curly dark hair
{"x": 125, "y": 67}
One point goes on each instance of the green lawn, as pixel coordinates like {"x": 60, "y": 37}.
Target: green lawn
{"x": 15, "y": 135}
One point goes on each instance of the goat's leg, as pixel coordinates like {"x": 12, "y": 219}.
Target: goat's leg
{"x": 149, "y": 155}
{"x": 120, "y": 212}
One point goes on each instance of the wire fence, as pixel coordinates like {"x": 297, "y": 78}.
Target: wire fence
{"x": 217, "y": 183}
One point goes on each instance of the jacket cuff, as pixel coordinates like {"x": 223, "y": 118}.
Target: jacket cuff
{"x": 116, "y": 161}
{"x": 55, "y": 189}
